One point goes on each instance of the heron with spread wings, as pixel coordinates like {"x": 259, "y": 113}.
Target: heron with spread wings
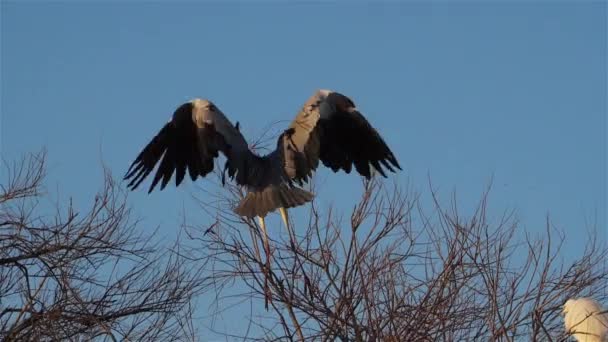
{"x": 328, "y": 128}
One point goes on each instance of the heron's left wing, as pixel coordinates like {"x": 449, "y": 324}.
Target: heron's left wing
{"x": 331, "y": 129}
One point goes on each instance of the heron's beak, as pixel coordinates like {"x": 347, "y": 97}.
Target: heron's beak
{"x": 323, "y": 93}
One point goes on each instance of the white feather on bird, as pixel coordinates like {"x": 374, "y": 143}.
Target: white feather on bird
{"x": 585, "y": 320}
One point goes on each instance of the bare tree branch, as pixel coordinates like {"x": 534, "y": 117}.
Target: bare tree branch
{"x": 85, "y": 274}
{"x": 397, "y": 272}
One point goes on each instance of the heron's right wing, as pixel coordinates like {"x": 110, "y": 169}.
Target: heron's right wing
{"x": 190, "y": 140}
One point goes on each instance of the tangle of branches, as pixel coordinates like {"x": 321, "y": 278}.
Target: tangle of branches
{"x": 85, "y": 274}
{"x": 391, "y": 271}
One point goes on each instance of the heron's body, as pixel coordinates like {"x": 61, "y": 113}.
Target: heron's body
{"x": 585, "y": 320}
{"x": 328, "y": 129}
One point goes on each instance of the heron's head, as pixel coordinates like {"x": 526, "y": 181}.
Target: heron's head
{"x": 313, "y": 104}
{"x": 202, "y": 104}
{"x": 201, "y": 109}
{"x": 568, "y": 306}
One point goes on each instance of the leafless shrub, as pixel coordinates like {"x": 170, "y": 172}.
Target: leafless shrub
{"x": 393, "y": 271}
{"x": 85, "y": 274}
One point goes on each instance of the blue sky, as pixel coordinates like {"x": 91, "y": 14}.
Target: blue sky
{"x": 462, "y": 92}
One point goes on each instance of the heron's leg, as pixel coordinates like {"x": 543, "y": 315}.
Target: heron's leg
{"x": 256, "y": 247}
{"x": 267, "y": 296}
{"x": 262, "y": 222}
{"x": 285, "y": 217}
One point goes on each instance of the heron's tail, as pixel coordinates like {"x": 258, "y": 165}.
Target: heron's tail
{"x": 260, "y": 203}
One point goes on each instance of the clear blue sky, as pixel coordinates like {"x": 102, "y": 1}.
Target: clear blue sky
{"x": 461, "y": 92}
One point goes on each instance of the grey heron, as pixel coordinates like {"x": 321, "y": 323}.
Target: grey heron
{"x": 328, "y": 128}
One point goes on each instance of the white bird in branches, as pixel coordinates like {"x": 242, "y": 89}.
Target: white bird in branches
{"x": 585, "y": 320}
